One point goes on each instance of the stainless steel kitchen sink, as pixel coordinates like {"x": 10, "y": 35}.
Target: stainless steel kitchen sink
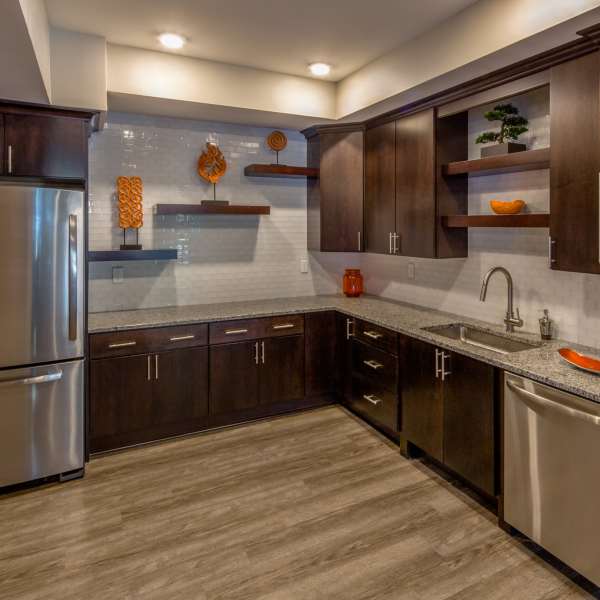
{"x": 481, "y": 338}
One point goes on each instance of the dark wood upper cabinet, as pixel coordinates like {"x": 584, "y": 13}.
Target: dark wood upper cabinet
{"x": 469, "y": 431}
{"x": 2, "y": 162}
{"x": 281, "y": 377}
{"x": 335, "y": 199}
{"x": 422, "y": 402}
{"x": 575, "y": 164}
{"x": 415, "y": 185}
{"x": 380, "y": 188}
{"x": 180, "y": 390}
{"x": 233, "y": 377}
{"x": 45, "y": 146}
{"x": 321, "y": 352}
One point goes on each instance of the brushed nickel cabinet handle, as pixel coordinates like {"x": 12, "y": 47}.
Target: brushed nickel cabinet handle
{"x": 10, "y": 159}
{"x": 373, "y": 364}
{"x": 284, "y": 326}
{"x": 235, "y": 331}
{"x": 349, "y": 334}
{"x": 359, "y": 244}
{"x": 149, "y": 369}
{"x": 122, "y": 344}
{"x": 156, "y": 367}
{"x": 256, "y": 352}
{"x": 391, "y": 243}
{"x": 437, "y": 363}
{"x": 372, "y": 399}
{"x": 373, "y": 334}
{"x": 444, "y": 372}
{"x": 181, "y": 338}
{"x": 262, "y": 352}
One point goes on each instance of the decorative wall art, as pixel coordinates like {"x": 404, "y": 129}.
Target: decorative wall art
{"x": 131, "y": 213}
{"x": 211, "y": 167}
{"x": 277, "y": 141}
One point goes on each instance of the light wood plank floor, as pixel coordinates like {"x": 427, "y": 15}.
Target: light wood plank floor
{"x": 311, "y": 506}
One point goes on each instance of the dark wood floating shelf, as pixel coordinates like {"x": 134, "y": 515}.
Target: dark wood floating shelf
{"x": 522, "y": 220}
{"x": 503, "y": 163}
{"x": 203, "y": 209}
{"x": 257, "y": 170}
{"x": 116, "y": 255}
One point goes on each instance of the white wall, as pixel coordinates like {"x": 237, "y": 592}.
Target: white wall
{"x": 36, "y": 20}
{"x": 78, "y": 69}
{"x": 222, "y": 258}
{"x": 486, "y": 27}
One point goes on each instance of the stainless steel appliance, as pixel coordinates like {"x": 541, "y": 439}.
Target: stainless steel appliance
{"x": 42, "y": 332}
{"x": 551, "y": 467}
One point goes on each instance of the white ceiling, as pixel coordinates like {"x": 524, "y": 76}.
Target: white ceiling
{"x": 278, "y": 35}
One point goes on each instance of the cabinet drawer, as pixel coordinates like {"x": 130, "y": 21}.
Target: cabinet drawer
{"x": 235, "y": 331}
{"x": 376, "y": 404}
{"x": 375, "y": 365}
{"x": 139, "y": 341}
{"x": 377, "y": 336}
{"x": 284, "y": 325}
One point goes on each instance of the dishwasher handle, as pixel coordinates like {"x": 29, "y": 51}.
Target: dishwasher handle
{"x": 546, "y": 403}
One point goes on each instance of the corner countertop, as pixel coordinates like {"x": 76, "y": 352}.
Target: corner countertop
{"x": 542, "y": 364}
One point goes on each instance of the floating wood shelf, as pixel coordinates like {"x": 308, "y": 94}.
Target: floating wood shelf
{"x": 503, "y": 163}
{"x": 204, "y": 209}
{"x": 118, "y": 255}
{"x": 522, "y": 220}
{"x": 257, "y": 170}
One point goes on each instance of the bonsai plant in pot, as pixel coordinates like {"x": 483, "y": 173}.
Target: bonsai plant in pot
{"x": 512, "y": 125}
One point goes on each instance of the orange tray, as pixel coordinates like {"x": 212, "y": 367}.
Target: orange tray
{"x": 581, "y": 361}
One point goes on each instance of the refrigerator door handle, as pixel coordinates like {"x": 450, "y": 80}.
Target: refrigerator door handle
{"x": 72, "y": 277}
{"x": 33, "y": 380}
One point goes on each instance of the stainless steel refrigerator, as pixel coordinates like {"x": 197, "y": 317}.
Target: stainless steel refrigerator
{"x": 42, "y": 287}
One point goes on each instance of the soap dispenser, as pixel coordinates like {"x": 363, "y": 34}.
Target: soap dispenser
{"x": 546, "y": 326}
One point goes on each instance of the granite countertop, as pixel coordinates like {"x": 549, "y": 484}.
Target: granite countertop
{"x": 542, "y": 364}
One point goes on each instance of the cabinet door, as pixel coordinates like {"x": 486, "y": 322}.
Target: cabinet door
{"x": 422, "y": 403}
{"x": 380, "y": 187}
{"x": 2, "y": 144}
{"x": 46, "y": 146}
{"x": 180, "y": 390}
{"x": 575, "y": 164}
{"x": 341, "y": 191}
{"x": 344, "y": 326}
{"x": 320, "y": 352}
{"x": 233, "y": 377}
{"x": 120, "y": 397}
{"x": 469, "y": 434}
{"x": 415, "y": 185}
{"x": 282, "y": 369}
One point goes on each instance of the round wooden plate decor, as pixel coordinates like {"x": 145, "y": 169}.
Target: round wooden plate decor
{"x": 277, "y": 141}
{"x": 581, "y": 361}
{"x": 212, "y": 164}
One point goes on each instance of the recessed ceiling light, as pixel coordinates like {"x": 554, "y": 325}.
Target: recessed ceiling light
{"x": 171, "y": 40}
{"x": 319, "y": 69}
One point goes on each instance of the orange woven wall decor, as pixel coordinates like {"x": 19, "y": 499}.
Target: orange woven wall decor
{"x": 277, "y": 141}
{"x": 212, "y": 164}
{"x": 130, "y": 195}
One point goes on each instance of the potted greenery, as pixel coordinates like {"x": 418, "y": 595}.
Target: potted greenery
{"x": 512, "y": 125}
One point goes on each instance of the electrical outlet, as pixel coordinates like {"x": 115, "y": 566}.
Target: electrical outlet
{"x": 303, "y": 265}
{"x": 118, "y": 274}
{"x": 411, "y": 270}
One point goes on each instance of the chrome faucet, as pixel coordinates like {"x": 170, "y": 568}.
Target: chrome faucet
{"x": 511, "y": 320}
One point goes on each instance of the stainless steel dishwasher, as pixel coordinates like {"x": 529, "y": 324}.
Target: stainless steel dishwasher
{"x": 552, "y": 471}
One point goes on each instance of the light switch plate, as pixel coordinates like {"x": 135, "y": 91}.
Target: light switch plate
{"x": 118, "y": 274}
{"x": 411, "y": 270}
{"x": 303, "y": 265}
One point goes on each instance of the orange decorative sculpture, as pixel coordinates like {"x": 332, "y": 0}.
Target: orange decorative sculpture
{"x": 212, "y": 164}
{"x": 277, "y": 141}
{"x": 131, "y": 214}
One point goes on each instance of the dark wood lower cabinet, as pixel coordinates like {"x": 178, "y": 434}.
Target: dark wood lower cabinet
{"x": 422, "y": 402}
{"x": 344, "y": 333}
{"x": 234, "y": 377}
{"x": 281, "y": 375}
{"x": 180, "y": 390}
{"x": 320, "y": 352}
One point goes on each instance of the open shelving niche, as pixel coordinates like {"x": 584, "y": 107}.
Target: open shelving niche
{"x": 457, "y": 168}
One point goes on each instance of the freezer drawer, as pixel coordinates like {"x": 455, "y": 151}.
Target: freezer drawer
{"x": 41, "y": 421}
{"x": 551, "y": 468}
{"x": 42, "y": 269}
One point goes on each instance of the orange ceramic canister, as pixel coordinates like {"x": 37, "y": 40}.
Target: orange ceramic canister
{"x": 353, "y": 285}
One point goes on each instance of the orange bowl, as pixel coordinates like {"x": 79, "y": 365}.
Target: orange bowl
{"x": 514, "y": 207}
